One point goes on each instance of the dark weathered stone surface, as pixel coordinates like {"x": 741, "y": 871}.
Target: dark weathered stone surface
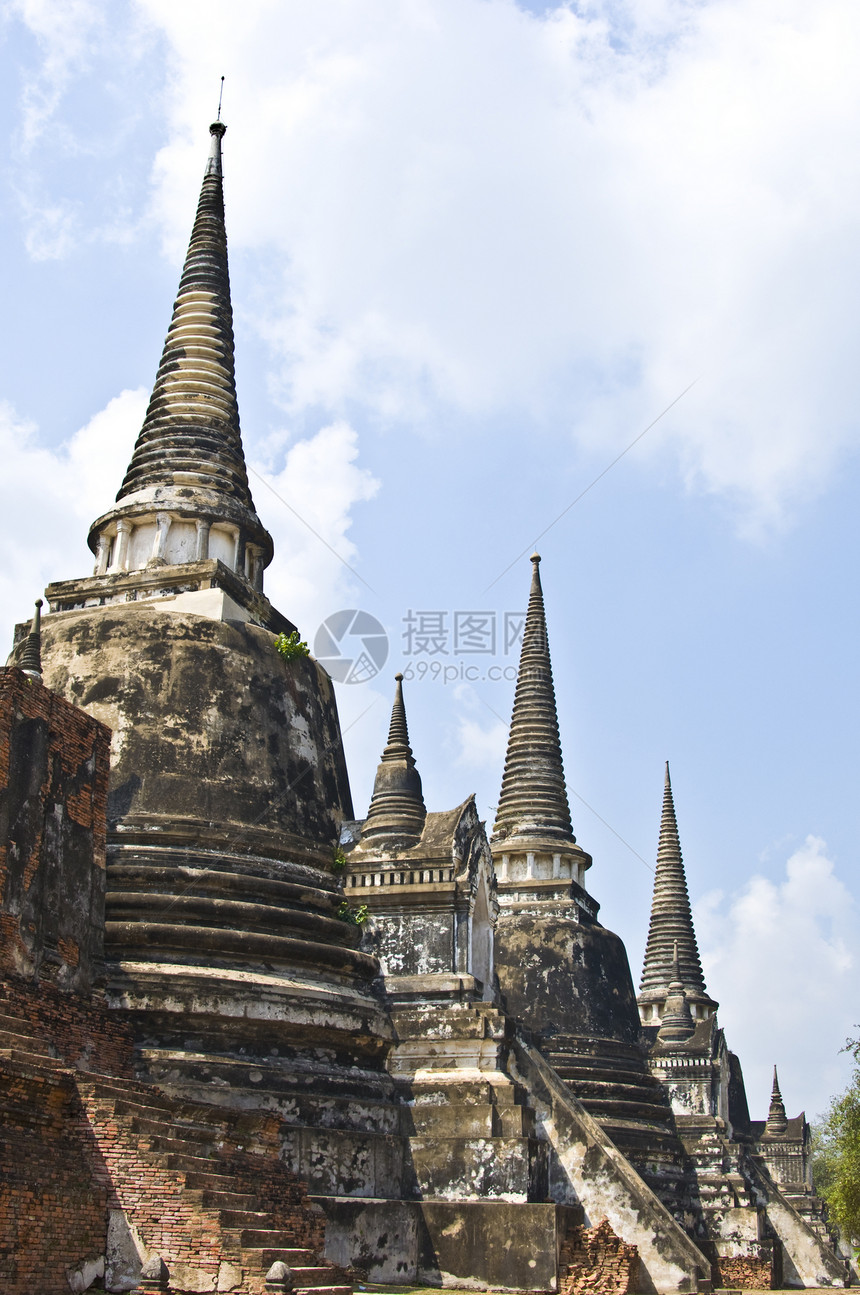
{"x": 513, "y": 1246}
{"x": 53, "y": 789}
{"x": 210, "y": 726}
{"x": 432, "y": 904}
{"x": 562, "y": 977}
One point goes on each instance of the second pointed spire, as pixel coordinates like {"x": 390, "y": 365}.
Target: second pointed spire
{"x": 671, "y": 933}
{"x": 533, "y": 800}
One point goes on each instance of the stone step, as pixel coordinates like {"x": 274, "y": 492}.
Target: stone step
{"x": 323, "y": 1290}
{"x": 603, "y": 1108}
{"x": 195, "y": 1164}
{"x": 601, "y": 1088}
{"x": 583, "y": 1081}
{"x": 168, "y": 1128}
{"x": 25, "y": 1042}
{"x": 242, "y": 1219}
{"x": 254, "y": 1238}
{"x": 223, "y": 1200}
{"x": 302, "y": 1089}
{"x": 178, "y": 1145}
{"x": 22, "y": 1056}
{"x": 212, "y": 1180}
{"x": 257, "y": 1258}
{"x": 107, "y": 1089}
{"x": 310, "y": 1275}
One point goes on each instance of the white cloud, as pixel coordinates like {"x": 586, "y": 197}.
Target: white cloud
{"x": 316, "y": 490}
{"x": 476, "y": 741}
{"x": 465, "y": 206}
{"x": 479, "y": 746}
{"x": 48, "y": 499}
{"x": 780, "y": 955}
{"x": 458, "y": 209}
{"x": 313, "y": 573}
{"x": 65, "y": 33}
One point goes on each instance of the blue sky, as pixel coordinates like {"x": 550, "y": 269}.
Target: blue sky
{"x": 476, "y": 248}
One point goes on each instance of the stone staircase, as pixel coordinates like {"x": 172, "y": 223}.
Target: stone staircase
{"x": 17, "y": 1045}
{"x": 237, "y": 1205}
{"x": 615, "y": 1086}
{"x": 200, "y": 1186}
{"x": 471, "y": 1133}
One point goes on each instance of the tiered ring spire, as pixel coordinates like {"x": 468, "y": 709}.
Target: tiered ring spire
{"x": 188, "y": 465}
{"x": 777, "y": 1122}
{"x": 397, "y": 811}
{"x": 192, "y": 423}
{"x": 671, "y": 931}
{"x": 533, "y": 800}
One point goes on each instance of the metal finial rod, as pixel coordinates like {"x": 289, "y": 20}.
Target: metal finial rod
{"x": 220, "y": 96}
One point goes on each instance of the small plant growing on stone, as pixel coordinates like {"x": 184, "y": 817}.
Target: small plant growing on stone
{"x": 291, "y": 646}
{"x": 339, "y": 862}
{"x": 354, "y": 916}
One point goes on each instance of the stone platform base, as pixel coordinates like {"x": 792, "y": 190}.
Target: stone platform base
{"x": 476, "y": 1244}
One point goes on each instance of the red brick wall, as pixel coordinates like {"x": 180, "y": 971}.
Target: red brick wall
{"x": 748, "y": 1273}
{"x": 595, "y": 1261}
{"x": 54, "y": 767}
{"x": 52, "y": 1216}
{"x": 84, "y": 1036}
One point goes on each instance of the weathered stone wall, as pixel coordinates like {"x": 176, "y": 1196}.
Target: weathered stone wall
{"x": 410, "y": 944}
{"x": 53, "y": 786}
{"x": 209, "y": 723}
{"x": 53, "y": 791}
{"x": 560, "y": 976}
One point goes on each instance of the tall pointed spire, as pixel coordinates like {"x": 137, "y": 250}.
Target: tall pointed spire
{"x": 188, "y": 461}
{"x": 777, "y": 1122}
{"x": 397, "y": 811}
{"x": 192, "y": 423}
{"x": 533, "y": 800}
{"x": 671, "y": 926}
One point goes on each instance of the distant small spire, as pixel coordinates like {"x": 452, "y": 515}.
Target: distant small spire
{"x": 777, "y": 1121}
{"x": 220, "y": 97}
{"x": 397, "y": 810}
{"x": 533, "y": 800}
{"x": 677, "y": 1024}
{"x": 30, "y": 660}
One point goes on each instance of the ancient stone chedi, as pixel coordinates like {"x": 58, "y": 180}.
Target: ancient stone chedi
{"x": 228, "y": 783}
{"x": 561, "y": 972}
{"x": 747, "y": 1189}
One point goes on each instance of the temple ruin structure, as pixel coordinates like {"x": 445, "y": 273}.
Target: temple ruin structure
{"x": 214, "y": 1077}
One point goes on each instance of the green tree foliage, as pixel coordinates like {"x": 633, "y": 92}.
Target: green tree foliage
{"x": 836, "y": 1161}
